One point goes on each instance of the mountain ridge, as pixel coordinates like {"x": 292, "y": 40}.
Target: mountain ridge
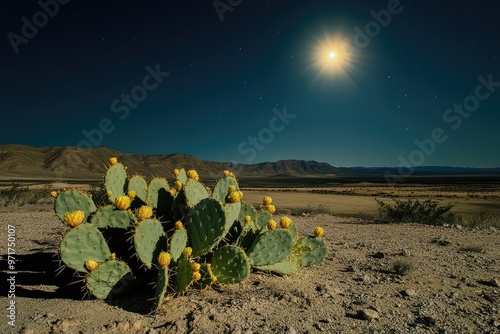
{"x": 74, "y": 163}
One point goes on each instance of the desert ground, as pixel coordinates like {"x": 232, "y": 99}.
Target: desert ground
{"x": 453, "y": 286}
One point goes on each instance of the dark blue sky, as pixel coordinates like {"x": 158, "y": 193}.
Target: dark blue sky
{"x": 248, "y": 88}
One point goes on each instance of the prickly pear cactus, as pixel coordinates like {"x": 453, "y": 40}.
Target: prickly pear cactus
{"x": 176, "y": 237}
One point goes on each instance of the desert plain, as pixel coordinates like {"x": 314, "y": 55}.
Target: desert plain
{"x": 452, "y": 287}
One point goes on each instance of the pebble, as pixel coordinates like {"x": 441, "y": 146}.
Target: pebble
{"x": 68, "y": 323}
{"x": 495, "y": 282}
{"x": 28, "y": 331}
{"x": 290, "y": 330}
{"x": 136, "y": 325}
{"x": 123, "y": 326}
{"x": 408, "y": 293}
{"x": 367, "y": 314}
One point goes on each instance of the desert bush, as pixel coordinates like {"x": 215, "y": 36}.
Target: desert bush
{"x": 402, "y": 266}
{"x": 481, "y": 220}
{"x": 414, "y": 211}
{"x": 13, "y": 195}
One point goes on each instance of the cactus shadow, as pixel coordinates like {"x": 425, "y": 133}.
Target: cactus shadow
{"x": 35, "y": 277}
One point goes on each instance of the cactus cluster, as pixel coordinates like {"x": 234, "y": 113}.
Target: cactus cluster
{"x": 186, "y": 236}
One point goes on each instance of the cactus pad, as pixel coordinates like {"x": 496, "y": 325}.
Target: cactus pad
{"x": 109, "y": 217}
{"x": 115, "y": 181}
{"x": 184, "y": 275}
{"x": 206, "y": 226}
{"x": 177, "y": 243}
{"x": 308, "y": 251}
{"x": 283, "y": 268}
{"x": 161, "y": 286}
{"x": 140, "y": 186}
{"x": 230, "y": 264}
{"x": 194, "y": 192}
{"x": 81, "y": 244}
{"x": 73, "y": 200}
{"x": 221, "y": 188}
{"x": 149, "y": 241}
{"x": 270, "y": 247}
{"x": 108, "y": 279}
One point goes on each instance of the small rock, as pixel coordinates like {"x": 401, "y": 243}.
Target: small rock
{"x": 28, "y": 331}
{"x": 68, "y": 323}
{"x": 367, "y": 314}
{"x": 290, "y": 330}
{"x": 496, "y": 323}
{"x": 136, "y": 325}
{"x": 123, "y": 326}
{"x": 248, "y": 331}
{"x": 408, "y": 293}
{"x": 458, "y": 227}
{"x": 152, "y": 331}
{"x": 495, "y": 282}
{"x": 375, "y": 308}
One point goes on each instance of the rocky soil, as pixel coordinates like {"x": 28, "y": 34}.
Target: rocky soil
{"x": 453, "y": 286}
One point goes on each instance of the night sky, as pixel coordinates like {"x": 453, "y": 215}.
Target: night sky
{"x": 351, "y": 83}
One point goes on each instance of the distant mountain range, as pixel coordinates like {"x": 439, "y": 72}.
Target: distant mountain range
{"x": 73, "y": 163}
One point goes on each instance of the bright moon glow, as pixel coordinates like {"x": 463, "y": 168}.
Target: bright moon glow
{"x": 332, "y": 57}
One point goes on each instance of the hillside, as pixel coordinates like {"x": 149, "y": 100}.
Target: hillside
{"x": 25, "y": 162}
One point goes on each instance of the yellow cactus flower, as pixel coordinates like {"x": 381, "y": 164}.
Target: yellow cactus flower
{"x": 178, "y": 225}
{"x": 144, "y": 212}
{"x": 74, "y": 218}
{"x": 112, "y": 257}
{"x": 91, "y": 265}
{"x": 267, "y": 200}
{"x": 270, "y": 208}
{"x": 54, "y": 194}
{"x": 213, "y": 278}
{"x": 285, "y": 222}
{"x": 113, "y": 161}
{"x": 195, "y": 267}
{"x": 131, "y": 194}
{"x": 231, "y": 188}
{"x": 176, "y": 172}
{"x": 164, "y": 259}
{"x": 235, "y": 196}
{"x": 196, "y": 276}
{"x": 173, "y": 192}
{"x": 226, "y": 173}
{"x": 272, "y": 225}
{"x": 318, "y": 232}
{"x": 248, "y": 219}
{"x": 122, "y": 202}
{"x": 109, "y": 193}
{"x": 178, "y": 185}
{"x": 187, "y": 252}
{"x": 192, "y": 174}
